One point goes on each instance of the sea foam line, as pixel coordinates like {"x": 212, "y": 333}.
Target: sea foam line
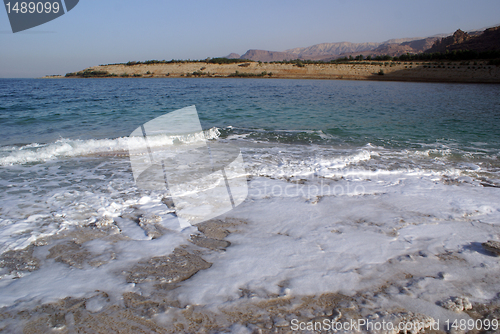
{"x": 65, "y": 148}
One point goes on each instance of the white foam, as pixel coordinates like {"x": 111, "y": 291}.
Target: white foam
{"x": 355, "y": 221}
{"x": 344, "y": 242}
{"x": 56, "y": 280}
{"x": 65, "y": 148}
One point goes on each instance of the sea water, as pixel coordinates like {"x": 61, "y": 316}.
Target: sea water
{"x": 353, "y": 185}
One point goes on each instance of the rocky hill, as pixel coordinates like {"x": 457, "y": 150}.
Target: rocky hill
{"x": 329, "y": 49}
{"x": 397, "y": 49}
{"x": 263, "y": 55}
{"x": 480, "y": 41}
{"x": 232, "y": 56}
{"x": 475, "y": 40}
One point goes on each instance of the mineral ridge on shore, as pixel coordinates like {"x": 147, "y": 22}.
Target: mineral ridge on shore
{"x": 152, "y": 307}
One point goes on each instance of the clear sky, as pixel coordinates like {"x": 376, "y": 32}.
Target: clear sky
{"x": 111, "y": 31}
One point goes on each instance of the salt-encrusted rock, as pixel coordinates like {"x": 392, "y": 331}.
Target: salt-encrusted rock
{"x": 106, "y": 224}
{"x": 420, "y": 323}
{"x": 492, "y": 246}
{"x": 75, "y": 255}
{"x": 332, "y": 316}
{"x": 150, "y": 226}
{"x": 16, "y": 261}
{"x": 209, "y": 243}
{"x": 141, "y": 305}
{"x": 457, "y": 304}
{"x": 215, "y": 229}
{"x": 177, "y": 267}
{"x": 69, "y": 253}
{"x": 279, "y": 322}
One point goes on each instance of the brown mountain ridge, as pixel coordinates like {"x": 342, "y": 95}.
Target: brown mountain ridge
{"x": 486, "y": 40}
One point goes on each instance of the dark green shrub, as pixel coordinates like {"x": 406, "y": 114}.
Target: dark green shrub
{"x": 227, "y": 61}
{"x": 89, "y": 74}
{"x": 249, "y": 75}
{"x": 495, "y": 62}
{"x": 198, "y": 73}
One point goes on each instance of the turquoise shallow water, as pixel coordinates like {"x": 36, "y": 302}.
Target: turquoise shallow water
{"x": 388, "y": 114}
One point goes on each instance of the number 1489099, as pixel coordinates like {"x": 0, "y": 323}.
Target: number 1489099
{"x": 32, "y": 7}
{"x": 472, "y": 324}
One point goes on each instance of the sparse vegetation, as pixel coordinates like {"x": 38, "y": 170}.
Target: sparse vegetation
{"x": 456, "y": 55}
{"x": 228, "y": 61}
{"x": 181, "y": 61}
{"x": 90, "y": 74}
{"x": 438, "y": 61}
{"x": 495, "y": 62}
{"x": 249, "y": 75}
{"x": 199, "y": 73}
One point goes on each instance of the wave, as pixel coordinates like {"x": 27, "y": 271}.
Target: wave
{"x": 67, "y": 148}
{"x": 279, "y": 136}
{"x": 287, "y": 166}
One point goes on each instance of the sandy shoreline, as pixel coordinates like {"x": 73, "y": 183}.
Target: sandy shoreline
{"x": 469, "y": 72}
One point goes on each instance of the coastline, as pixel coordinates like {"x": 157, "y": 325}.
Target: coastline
{"x": 450, "y": 72}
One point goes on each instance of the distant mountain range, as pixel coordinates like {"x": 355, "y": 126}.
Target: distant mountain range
{"x": 479, "y": 40}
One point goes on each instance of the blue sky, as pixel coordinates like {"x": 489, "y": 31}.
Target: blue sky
{"x": 110, "y": 31}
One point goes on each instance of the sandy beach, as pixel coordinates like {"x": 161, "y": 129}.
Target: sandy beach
{"x": 466, "y": 72}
